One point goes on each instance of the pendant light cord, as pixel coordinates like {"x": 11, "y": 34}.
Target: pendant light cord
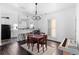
{"x": 36, "y": 9}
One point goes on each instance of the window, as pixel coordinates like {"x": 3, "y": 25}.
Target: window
{"x": 53, "y": 27}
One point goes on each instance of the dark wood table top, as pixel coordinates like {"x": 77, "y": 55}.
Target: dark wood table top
{"x": 36, "y": 36}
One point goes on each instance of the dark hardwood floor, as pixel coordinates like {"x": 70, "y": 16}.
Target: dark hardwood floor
{"x": 13, "y": 49}
{"x": 16, "y": 49}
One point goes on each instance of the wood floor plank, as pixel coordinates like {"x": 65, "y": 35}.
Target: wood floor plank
{"x": 13, "y": 49}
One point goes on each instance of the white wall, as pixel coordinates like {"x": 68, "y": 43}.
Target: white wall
{"x": 42, "y": 24}
{"x": 66, "y": 24}
{"x": 65, "y": 21}
{"x": 77, "y": 25}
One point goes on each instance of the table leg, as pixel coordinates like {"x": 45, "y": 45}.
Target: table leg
{"x": 38, "y": 46}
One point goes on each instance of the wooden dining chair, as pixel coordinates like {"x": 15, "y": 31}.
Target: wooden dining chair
{"x": 43, "y": 42}
{"x": 33, "y": 42}
{"x": 30, "y": 41}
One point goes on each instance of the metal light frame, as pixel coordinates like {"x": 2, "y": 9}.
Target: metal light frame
{"x": 36, "y": 16}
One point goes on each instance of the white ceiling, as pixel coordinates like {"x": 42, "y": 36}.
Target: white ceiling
{"x": 42, "y": 7}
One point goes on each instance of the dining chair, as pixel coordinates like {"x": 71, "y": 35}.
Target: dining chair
{"x": 33, "y": 42}
{"x": 43, "y": 42}
{"x": 30, "y": 41}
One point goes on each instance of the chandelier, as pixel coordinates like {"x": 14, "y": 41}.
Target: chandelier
{"x": 36, "y": 16}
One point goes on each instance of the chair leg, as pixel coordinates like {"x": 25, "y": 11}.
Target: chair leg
{"x": 28, "y": 44}
{"x": 46, "y": 46}
{"x": 43, "y": 47}
{"x": 32, "y": 46}
{"x": 38, "y": 47}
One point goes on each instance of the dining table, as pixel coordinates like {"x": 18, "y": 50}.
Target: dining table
{"x": 37, "y": 38}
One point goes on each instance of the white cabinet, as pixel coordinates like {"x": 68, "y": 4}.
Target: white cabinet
{"x": 14, "y": 33}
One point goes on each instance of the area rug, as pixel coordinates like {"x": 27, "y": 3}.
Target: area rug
{"x": 51, "y": 50}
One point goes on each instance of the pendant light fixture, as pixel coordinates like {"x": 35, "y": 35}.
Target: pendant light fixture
{"x": 36, "y": 16}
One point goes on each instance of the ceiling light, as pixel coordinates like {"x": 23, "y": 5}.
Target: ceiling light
{"x": 36, "y": 16}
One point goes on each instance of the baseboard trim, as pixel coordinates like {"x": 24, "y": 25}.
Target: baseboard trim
{"x": 48, "y": 40}
{"x": 54, "y": 41}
